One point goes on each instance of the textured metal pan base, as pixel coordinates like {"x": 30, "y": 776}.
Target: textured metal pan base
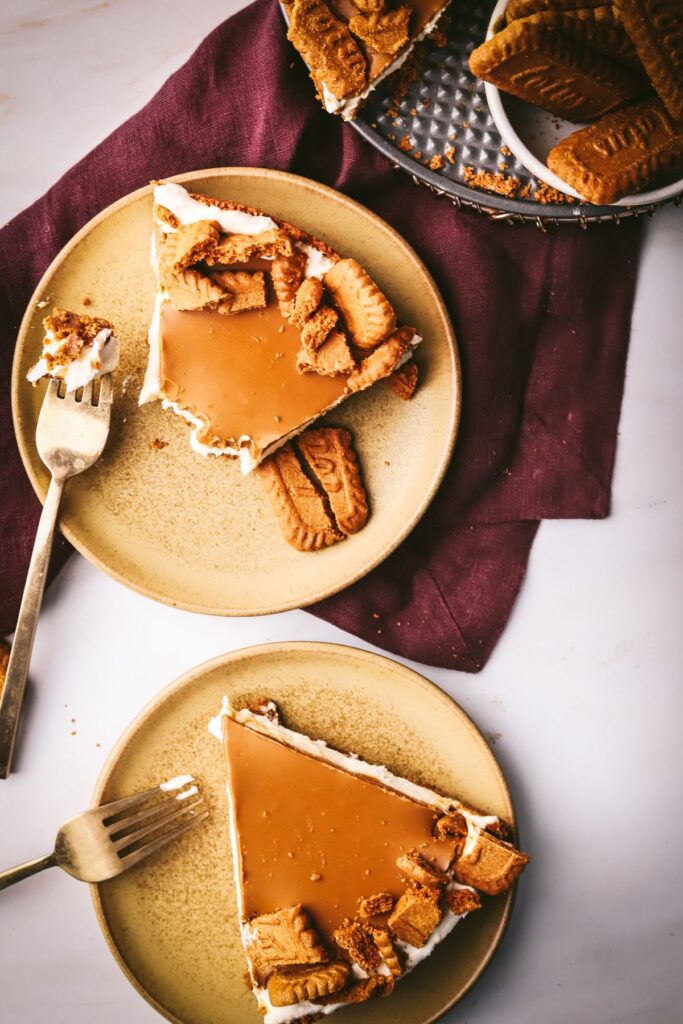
{"x": 445, "y": 106}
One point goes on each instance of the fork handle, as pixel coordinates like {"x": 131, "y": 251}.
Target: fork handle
{"x": 20, "y": 656}
{"x": 31, "y": 867}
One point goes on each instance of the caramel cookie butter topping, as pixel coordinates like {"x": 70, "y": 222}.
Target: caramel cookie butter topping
{"x": 313, "y": 834}
{"x": 248, "y": 342}
{"x": 347, "y": 875}
{"x": 239, "y": 374}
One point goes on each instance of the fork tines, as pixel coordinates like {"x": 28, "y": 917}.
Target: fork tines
{"x": 170, "y": 810}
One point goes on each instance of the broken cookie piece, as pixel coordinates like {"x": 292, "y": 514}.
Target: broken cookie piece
{"x": 403, "y": 382}
{"x": 238, "y": 248}
{"x": 386, "y": 358}
{"x": 331, "y": 359}
{"x": 382, "y": 939}
{"x": 282, "y": 939}
{"x": 241, "y": 290}
{"x": 415, "y": 868}
{"x": 301, "y": 509}
{"x": 357, "y": 942}
{"x": 188, "y": 244}
{"x": 287, "y": 275}
{"x": 416, "y": 915}
{"x": 368, "y": 314}
{"x": 315, "y": 488}
{"x": 462, "y": 900}
{"x": 386, "y": 32}
{"x": 326, "y": 44}
{"x": 329, "y": 453}
{"x": 379, "y": 903}
{"x": 489, "y": 864}
{"x": 296, "y": 984}
{"x": 76, "y": 349}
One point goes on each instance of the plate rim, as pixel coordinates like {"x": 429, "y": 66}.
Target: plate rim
{"x": 288, "y": 646}
{"x": 26, "y": 444}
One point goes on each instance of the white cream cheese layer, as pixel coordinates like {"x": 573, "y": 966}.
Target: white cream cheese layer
{"x": 180, "y": 203}
{"x": 94, "y": 360}
{"x": 348, "y": 107}
{"x": 411, "y": 955}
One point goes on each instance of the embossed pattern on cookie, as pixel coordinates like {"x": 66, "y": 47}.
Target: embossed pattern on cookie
{"x": 301, "y": 510}
{"x": 622, "y": 153}
{"x": 327, "y": 46}
{"x": 540, "y": 64}
{"x": 656, "y": 29}
{"x": 611, "y": 40}
{"x": 367, "y": 312}
{"x": 329, "y": 453}
{"x": 523, "y": 8}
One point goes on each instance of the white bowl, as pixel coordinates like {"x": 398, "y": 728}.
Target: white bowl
{"x": 531, "y": 132}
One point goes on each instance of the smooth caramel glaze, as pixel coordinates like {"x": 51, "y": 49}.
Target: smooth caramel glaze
{"x": 238, "y": 373}
{"x": 311, "y": 833}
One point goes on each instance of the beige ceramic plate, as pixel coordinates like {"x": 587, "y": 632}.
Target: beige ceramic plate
{"x": 172, "y": 923}
{"x": 189, "y": 530}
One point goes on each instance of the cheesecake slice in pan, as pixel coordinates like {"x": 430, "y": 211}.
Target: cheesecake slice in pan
{"x": 258, "y": 327}
{"x": 76, "y": 349}
{"x": 347, "y": 875}
{"x": 350, "y": 46}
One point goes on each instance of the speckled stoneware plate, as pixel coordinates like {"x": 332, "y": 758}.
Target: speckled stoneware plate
{"x": 443, "y": 115}
{"x": 190, "y": 530}
{"x": 171, "y": 923}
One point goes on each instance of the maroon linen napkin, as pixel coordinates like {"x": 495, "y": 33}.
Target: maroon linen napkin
{"x": 542, "y": 320}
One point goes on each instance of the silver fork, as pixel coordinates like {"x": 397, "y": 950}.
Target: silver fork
{"x": 70, "y": 437}
{"x": 101, "y": 843}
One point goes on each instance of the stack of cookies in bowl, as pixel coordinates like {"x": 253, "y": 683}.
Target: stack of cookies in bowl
{"x": 615, "y": 68}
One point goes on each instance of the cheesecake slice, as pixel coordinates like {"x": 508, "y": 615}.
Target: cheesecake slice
{"x": 76, "y": 349}
{"x": 347, "y": 876}
{"x": 258, "y": 327}
{"x": 350, "y": 46}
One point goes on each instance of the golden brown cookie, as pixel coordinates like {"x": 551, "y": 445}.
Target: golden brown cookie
{"x": 241, "y": 290}
{"x": 383, "y": 33}
{"x": 330, "y": 456}
{"x": 415, "y": 868}
{"x": 491, "y": 865}
{"x": 623, "y": 153}
{"x": 287, "y": 275}
{"x": 357, "y": 942}
{"x": 383, "y": 361}
{"x": 463, "y": 901}
{"x": 656, "y": 29}
{"x": 307, "y": 299}
{"x": 191, "y": 290}
{"x": 302, "y": 511}
{"x": 404, "y": 381}
{"x": 283, "y": 938}
{"x": 327, "y": 46}
{"x": 331, "y": 359}
{"x": 416, "y": 915}
{"x": 317, "y": 328}
{"x": 295, "y": 984}
{"x": 367, "y": 312}
{"x": 540, "y": 64}
{"x": 611, "y": 40}
{"x": 523, "y": 8}
{"x": 189, "y": 244}
{"x": 241, "y": 248}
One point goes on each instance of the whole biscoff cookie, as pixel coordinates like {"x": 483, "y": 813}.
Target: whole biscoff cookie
{"x": 609, "y": 39}
{"x": 656, "y": 29}
{"x": 539, "y": 63}
{"x": 523, "y": 8}
{"x": 623, "y": 153}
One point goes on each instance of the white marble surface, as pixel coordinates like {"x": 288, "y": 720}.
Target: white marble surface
{"x": 583, "y": 695}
